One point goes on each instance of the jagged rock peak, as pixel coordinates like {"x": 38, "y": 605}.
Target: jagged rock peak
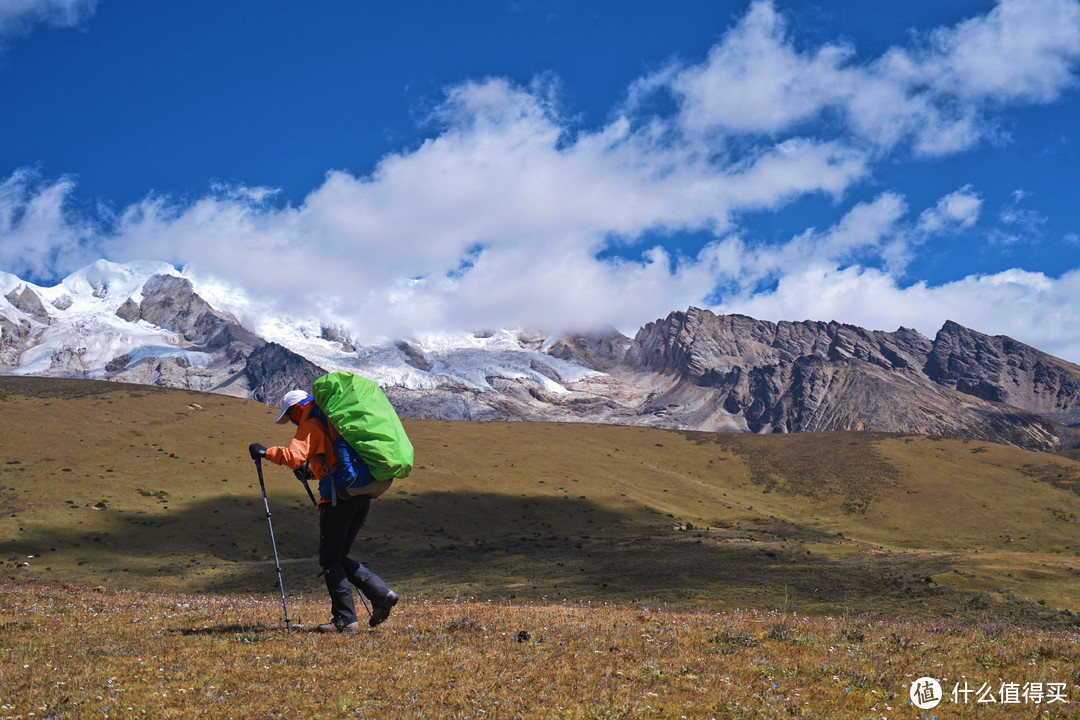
{"x": 601, "y": 350}
{"x": 698, "y": 342}
{"x": 1001, "y": 369}
{"x": 335, "y": 335}
{"x": 170, "y": 302}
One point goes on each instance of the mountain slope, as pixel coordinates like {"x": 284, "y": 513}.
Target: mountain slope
{"x": 814, "y": 376}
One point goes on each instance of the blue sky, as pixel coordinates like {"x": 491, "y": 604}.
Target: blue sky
{"x": 550, "y": 164}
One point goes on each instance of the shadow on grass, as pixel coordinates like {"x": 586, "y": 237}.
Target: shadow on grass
{"x": 493, "y": 546}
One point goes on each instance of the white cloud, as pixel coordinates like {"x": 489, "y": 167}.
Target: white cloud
{"x": 956, "y": 211}
{"x": 19, "y": 16}
{"x": 869, "y": 231}
{"x": 1022, "y": 50}
{"x": 1029, "y": 223}
{"x": 934, "y": 96}
{"x": 38, "y": 235}
{"x": 500, "y": 216}
{"x": 755, "y": 81}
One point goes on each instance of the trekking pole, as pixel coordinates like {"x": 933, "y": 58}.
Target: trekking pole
{"x": 273, "y": 542}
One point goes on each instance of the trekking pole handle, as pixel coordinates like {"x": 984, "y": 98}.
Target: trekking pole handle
{"x": 310, "y": 494}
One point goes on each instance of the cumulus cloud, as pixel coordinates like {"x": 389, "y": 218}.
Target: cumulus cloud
{"x": 17, "y": 17}
{"x": 39, "y": 235}
{"x": 934, "y": 96}
{"x": 511, "y": 214}
{"x": 870, "y": 232}
{"x": 755, "y": 81}
{"x": 1022, "y": 50}
{"x": 499, "y": 218}
{"x": 956, "y": 211}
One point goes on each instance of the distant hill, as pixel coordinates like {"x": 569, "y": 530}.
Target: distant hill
{"x": 131, "y": 486}
{"x": 693, "y": 370}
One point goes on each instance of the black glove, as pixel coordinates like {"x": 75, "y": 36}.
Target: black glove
{"x": 257, "y": 451}
{"x": 303, "y": 474}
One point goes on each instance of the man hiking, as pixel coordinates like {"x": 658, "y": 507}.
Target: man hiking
{"x": 340, "y": 519}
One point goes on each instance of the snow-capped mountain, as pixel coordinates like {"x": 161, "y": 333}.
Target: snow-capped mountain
{"x": 150, "y": 323}
{"x": 74, "y": 327}
{"x": 147, "y": 322}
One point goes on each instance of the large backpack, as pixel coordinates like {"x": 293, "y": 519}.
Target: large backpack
{"x": 371, "y": 445}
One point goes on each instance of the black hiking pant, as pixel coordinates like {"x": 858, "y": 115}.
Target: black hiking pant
{"x": 338, "y": 526}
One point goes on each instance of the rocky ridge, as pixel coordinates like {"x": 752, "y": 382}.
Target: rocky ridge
{"x": 815, "y": 376}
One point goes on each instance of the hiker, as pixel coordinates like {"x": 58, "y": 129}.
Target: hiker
{"x": 340, "y": 519}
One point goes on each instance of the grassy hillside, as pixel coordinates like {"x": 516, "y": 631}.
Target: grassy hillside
{"x": 132, "y": 487}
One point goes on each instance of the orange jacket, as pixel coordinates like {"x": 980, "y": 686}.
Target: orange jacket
{"x": 310, "y": 440}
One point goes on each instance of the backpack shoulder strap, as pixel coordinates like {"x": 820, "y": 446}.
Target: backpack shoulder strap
{"x": 318, "y": 414}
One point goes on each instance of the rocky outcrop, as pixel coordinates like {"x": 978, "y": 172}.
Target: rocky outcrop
{"x": 1000, "y": 369}
{"x": 129, "y": 311}
{"x": 17, "y": 331}
{"x": 414, "y": 357}
{"x": 334, "y": 335}
{"x": 64, "y": 302}
{"x": 272, "y": 371}
{"x": 13, "y": 335}
{"x": 28, "y": 303}
{"x": 171, "y": 302}
{"x": 601, "y": 350}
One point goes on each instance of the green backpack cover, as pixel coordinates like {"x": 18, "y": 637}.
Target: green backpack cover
{"x": 360, "y": 412}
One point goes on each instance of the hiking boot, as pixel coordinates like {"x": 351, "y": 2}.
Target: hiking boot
{"x": 339, "y": 627}
{"x": 381, "y": 611}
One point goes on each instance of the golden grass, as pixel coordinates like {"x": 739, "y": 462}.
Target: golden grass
{"x": 547, "y": 570}
{"x": 73, "y": 653}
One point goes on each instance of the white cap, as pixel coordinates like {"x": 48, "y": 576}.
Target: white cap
{"x": 291, "y": 398}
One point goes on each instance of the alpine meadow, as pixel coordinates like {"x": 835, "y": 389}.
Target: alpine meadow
{"x": 540, "y": 360}
{"x": 547, "y": 570}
